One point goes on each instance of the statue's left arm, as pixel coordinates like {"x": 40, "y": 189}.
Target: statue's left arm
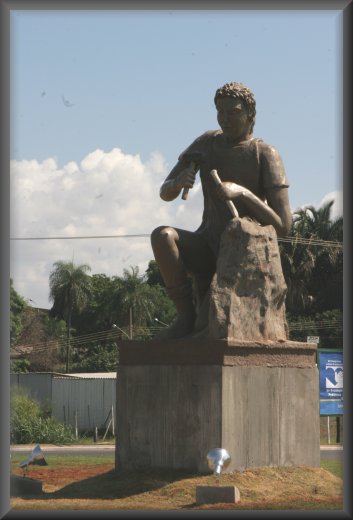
{"x": 276, "y": 211}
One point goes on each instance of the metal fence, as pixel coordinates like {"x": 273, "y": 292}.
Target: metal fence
{"x": 37, "y": 386}
{"x": 84, "y": 403}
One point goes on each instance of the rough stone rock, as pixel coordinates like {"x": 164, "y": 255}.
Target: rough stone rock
{"x": 248, "y": 291}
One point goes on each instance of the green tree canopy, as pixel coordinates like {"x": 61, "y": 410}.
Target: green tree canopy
{"x": 70, "y": 288}
{"x": 17, "y": 306}
{"x": 314, "y": 270}
{"x": 153, "y": 274}
{"x": 136, "y": 301}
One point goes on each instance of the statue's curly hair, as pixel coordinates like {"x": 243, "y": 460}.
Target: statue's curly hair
{"x": 238, "y": 90}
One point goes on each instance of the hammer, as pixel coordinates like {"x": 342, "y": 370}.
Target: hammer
{"x": 195, "y": 159}
{"x": 230, "y": 204}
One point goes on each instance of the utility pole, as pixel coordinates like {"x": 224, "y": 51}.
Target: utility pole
{"x": 130, "y": 322}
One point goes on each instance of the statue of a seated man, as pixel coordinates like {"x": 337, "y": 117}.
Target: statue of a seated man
{"x": 252, "y": 177}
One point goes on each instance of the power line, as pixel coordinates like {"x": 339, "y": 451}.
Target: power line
{"x": 311, "y": 242}
{"x": 292, "y": 240}
{"x": 322, "y": 324}
{"x": 105, "y": 334}
{"x": 81, "y": 237}
{"x": 76, "y": 341}
{"x": 114, "y": 335}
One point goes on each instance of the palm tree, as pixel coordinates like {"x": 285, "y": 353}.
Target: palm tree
{"x": 327, "y": 276}
{"x": 318, "y": 223}
{"x": 136, "y": 300}
{"x": 70, "y": 289}
{"x": 309, "y": 268}
{"x": 298, "y": 262}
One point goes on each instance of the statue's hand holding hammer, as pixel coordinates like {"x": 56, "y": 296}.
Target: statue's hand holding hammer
{"x": 186, "y": 178}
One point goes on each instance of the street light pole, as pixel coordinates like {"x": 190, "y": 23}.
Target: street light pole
{"x": 114, "y": 326}
{"x": 161, "y": 322}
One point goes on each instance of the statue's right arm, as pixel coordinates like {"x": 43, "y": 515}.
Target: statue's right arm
{"x": 183, "y": 175}
{"x": 179, "y": 178}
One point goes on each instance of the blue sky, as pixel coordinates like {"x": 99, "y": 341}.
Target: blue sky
{"x": 142, "y": 83}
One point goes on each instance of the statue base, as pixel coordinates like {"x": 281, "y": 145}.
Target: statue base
{"x": 178, "y": 399}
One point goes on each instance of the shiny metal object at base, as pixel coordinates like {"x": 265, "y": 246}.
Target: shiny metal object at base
{"x": 36, "y": 457}
{"x": 218, "y": 459}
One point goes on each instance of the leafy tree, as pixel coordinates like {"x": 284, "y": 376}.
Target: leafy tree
{"x": 298, "y": 261}
{"x": 318, "y": 223}
{"x": 96, "y": 357}
{"x": 20, "y": 366}
{"x": 330, "y": 328}
{"x": 39, "y": 341}
{"x": 327, "y": 325}
{"x": 327, "y": 277}
{"x": 109, "y": 304}
{"x": 17, "y": 307}
{"x": 135, "y": 300}
{"x": 48, "y": 354}
{"x": 165, "y": 311}
{"x": 313, "y": 273}
{"x": 153, "y": 274}
{"x": 101, "y": 311}
{"x": 38, "y": 345}
{"x": 70, "y": 289}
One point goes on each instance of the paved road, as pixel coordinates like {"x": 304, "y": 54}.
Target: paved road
{"x": 91, "y": 450}
{"x": 331, "y": 452}
{"x": 96, "y": 450}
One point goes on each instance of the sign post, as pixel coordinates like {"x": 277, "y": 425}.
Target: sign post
{"x": 330, "y": 364}
{"x": 313, "y": 339}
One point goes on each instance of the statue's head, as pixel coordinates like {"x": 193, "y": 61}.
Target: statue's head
{"x": 239, "y": 91}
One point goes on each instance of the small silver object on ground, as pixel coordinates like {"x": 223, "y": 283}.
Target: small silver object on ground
{"x": 217, "y": 460}
{"x": 24, "y": 485}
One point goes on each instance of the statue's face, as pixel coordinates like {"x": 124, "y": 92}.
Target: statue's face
{"x": 232, "y": 116}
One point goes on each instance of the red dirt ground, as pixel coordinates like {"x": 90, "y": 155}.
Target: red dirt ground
{"x": 61, "y": 476}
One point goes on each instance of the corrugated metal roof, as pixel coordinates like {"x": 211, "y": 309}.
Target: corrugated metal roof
{"x": 89, "y": 375}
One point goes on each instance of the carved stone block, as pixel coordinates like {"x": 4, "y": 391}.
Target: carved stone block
{"x": 248, "y": 291}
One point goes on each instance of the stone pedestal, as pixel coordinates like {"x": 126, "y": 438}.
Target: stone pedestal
{"x": 178, "y": 399}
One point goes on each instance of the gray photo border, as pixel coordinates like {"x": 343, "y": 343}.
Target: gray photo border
{"x": 6, "y": 6}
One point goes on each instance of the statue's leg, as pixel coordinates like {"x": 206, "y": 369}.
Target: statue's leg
{"x": 178, "y": 252}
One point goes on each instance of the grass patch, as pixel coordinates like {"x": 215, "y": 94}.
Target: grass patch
{"x": 334, "y": 466}
{"x": 61, "y": 461}
{"x": 92, "y": 485}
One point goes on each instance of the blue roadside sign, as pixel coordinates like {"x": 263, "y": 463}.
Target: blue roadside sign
{"x": 330, "y": 364}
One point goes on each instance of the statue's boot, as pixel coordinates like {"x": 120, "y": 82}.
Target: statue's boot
{"x": 183, "y": 324}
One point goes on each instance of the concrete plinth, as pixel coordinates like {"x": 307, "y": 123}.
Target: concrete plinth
{"x": 217, "y": 494}
{"x": 178, "y": 399}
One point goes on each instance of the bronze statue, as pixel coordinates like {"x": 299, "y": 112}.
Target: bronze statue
{"x": 252, "y": 177}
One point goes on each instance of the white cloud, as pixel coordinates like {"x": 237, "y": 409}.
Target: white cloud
{"x": 337, "y": 208}
{"x": 107, "y": 193}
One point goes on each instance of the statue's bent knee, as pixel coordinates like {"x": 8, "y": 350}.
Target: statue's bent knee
{"x": 162, "y": 234}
